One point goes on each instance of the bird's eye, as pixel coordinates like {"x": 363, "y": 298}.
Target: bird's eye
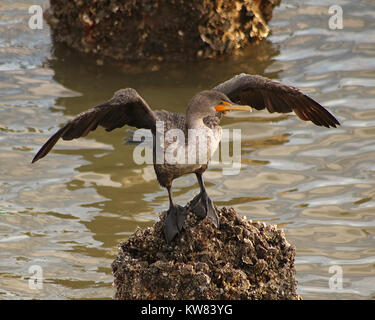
{"x": 221, "y": 102}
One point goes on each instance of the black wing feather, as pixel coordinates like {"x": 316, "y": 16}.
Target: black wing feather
{"x": 262, "y": 93}
{"x": 125, "y": 108}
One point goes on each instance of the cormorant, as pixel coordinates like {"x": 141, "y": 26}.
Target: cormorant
{"x": 203, "y": 113}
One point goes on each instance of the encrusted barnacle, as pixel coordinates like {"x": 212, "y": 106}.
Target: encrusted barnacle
{"x": 236, "y": 261}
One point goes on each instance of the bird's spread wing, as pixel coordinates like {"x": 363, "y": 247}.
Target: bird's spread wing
{"x": 260, "y": 93}
{"x": 125, "y": 108}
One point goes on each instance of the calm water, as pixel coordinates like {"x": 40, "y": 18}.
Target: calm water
{"x": 68, "y": 212}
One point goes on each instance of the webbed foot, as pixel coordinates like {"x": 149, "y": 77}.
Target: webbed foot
{"x": 203, "y": 207}
{"x": 174, "y": 221}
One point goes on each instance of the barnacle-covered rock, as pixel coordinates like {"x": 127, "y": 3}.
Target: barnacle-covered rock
{"x": 240, "y": 260}
{"x": 155, "y": 29}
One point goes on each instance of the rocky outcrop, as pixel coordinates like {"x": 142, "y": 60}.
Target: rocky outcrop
{"x": 239, "y": 260}
{"x": 158, "y": 30}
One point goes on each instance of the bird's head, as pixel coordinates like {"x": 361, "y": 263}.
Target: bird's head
{"x": 210, "y": 102}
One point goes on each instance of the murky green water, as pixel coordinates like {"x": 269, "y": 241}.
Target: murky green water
{"x": 68, "y": 212}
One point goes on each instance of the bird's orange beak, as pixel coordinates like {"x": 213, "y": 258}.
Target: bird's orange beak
{"x": 224, "y": 106}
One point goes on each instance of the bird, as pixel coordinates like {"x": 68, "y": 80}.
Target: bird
{"x": 204, "y": 111}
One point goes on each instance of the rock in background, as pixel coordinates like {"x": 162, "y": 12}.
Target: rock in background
{"x": 158, "y": 30}
{"x": 240, "y": 260}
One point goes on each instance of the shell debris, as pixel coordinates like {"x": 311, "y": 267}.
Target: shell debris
{"x": 240, "y": 260}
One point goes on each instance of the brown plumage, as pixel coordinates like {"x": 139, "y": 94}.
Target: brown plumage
{"x": 262, "y": 93}
{"x": 204, "y": 111}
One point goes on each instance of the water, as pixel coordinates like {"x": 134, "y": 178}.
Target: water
{"x": 68, "y": 212}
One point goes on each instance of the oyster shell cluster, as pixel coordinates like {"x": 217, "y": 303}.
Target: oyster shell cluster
{"x": 239, "y": 260}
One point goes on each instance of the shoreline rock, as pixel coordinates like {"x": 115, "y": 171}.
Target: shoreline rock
{"x": 175, "y": 30}
{"x": 240, "y": 260}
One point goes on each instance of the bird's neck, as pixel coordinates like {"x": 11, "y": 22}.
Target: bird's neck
{"x": 194, "y": 123}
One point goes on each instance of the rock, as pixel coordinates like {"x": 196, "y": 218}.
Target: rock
{"x": 240, "y": 260}
{"x": 158, "y": 30}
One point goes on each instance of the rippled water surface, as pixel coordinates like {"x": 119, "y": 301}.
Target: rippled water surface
{"x": 68, "y": 212}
